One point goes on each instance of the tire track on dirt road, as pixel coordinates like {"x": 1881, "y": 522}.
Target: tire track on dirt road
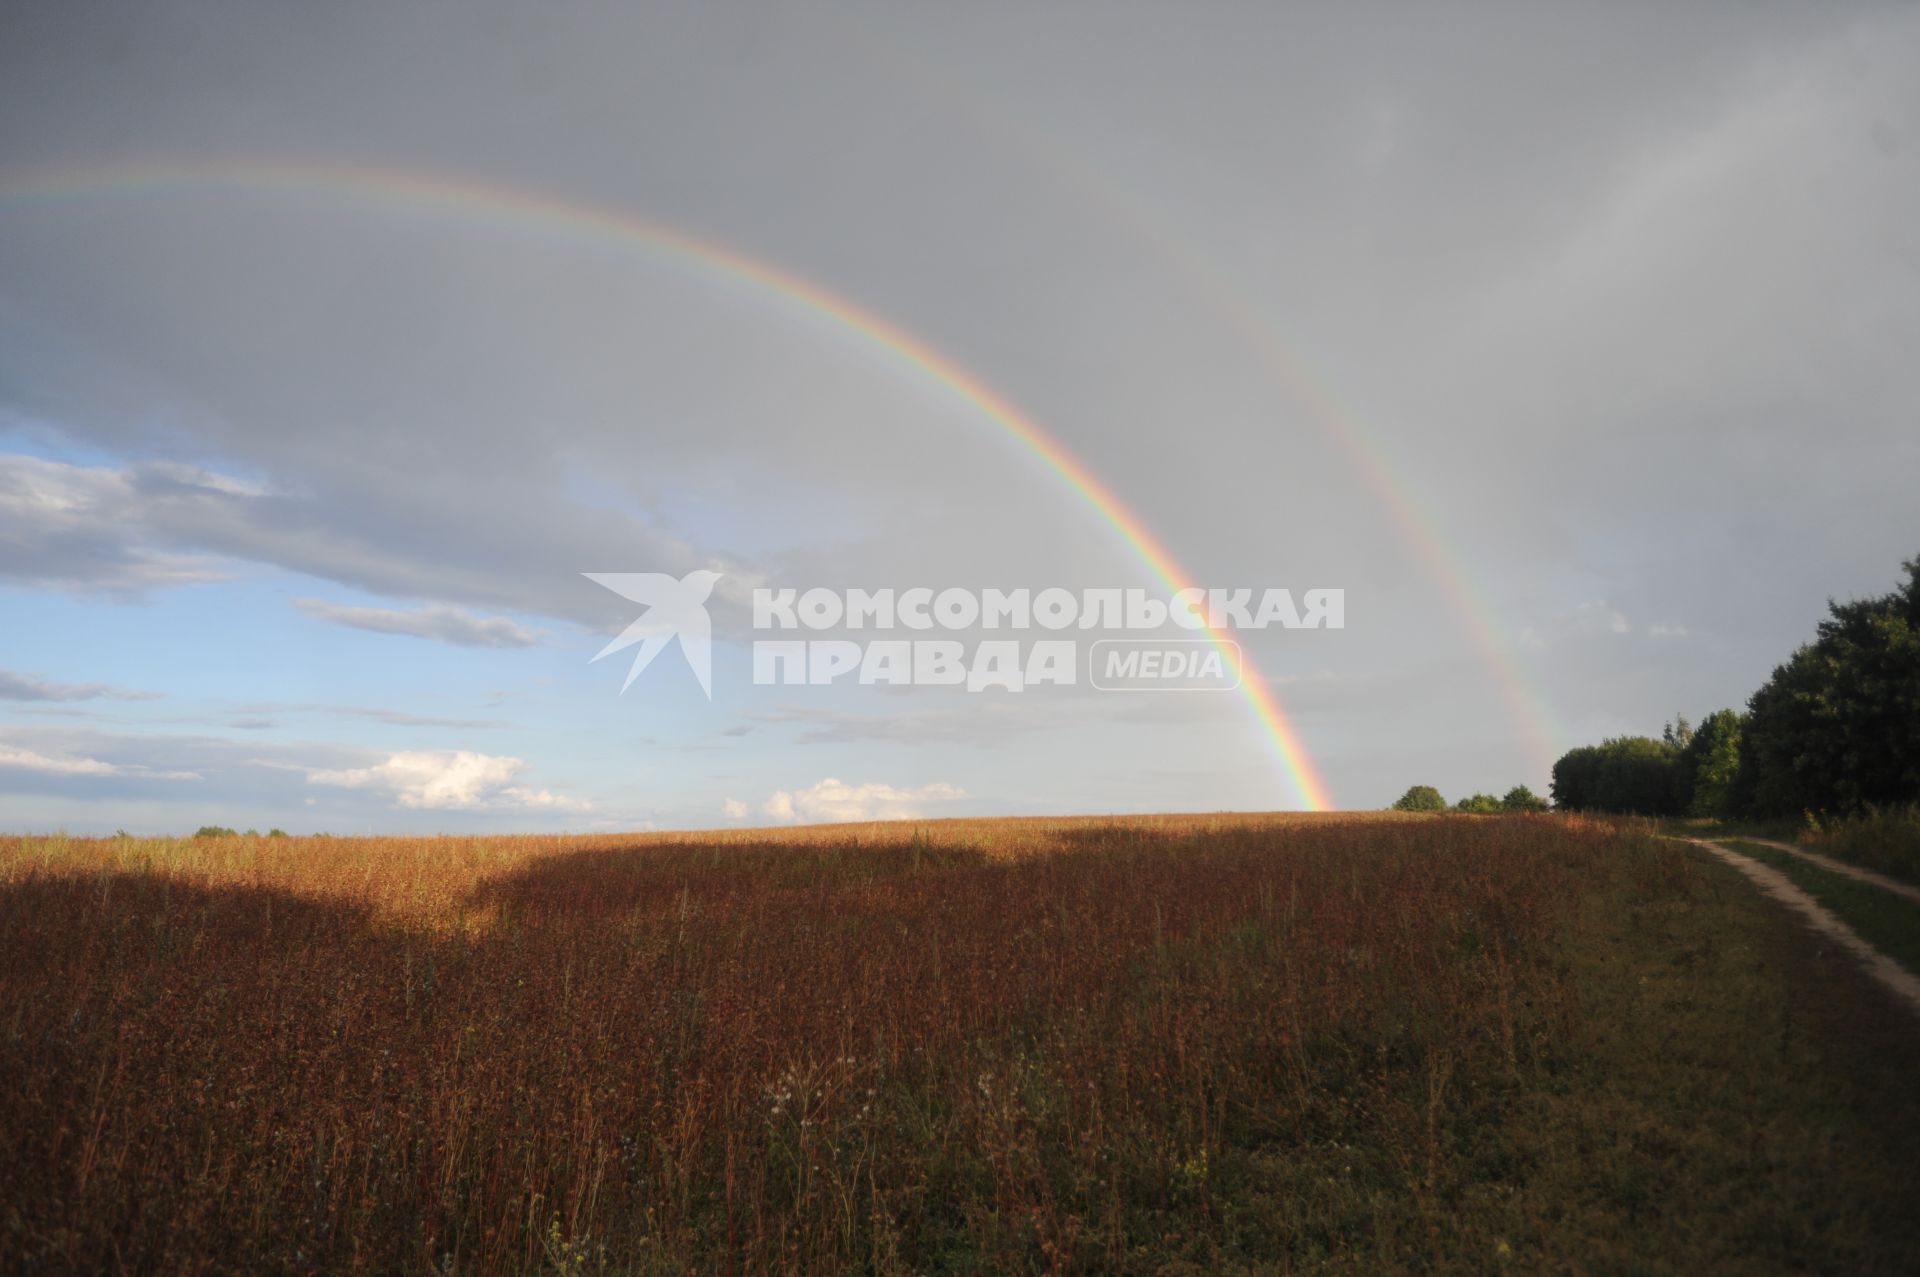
{"x": 1901, "y": 982}
{"x": 1906, "y": 890}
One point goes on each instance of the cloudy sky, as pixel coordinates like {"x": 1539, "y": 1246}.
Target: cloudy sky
{"x": 1576, "y": 344}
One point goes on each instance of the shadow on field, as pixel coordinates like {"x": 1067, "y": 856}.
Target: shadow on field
{"x": 657, "y": 877}
{"x": 107, "y": 962}
{"x": 141, "y": 913}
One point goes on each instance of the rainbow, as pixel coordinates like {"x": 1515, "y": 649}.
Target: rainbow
{"x": 524, "y": 211}
{"x": 1446, "y": 564}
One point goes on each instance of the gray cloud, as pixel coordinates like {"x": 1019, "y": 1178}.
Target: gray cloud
{"x": 83, "y": 528}
{"x": 25, "y": 687}
{"x": 398, "y": 718}
{"x": 125, "y": 531}
{"x": 441, "y": 622}
{"x": 259, "y": 716}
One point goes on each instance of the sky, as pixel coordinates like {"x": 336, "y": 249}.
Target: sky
{"x": 1574, "y": 344}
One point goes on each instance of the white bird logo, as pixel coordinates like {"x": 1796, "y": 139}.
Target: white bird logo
{"x": 675, "y": 609}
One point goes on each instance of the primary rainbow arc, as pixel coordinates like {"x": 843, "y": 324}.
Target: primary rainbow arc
{"x": 528, "y": 211}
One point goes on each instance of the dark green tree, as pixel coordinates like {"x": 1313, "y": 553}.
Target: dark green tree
{"x": 1837, "y": 728}
{"x": 1421, "y": 798}
{"x": 1712, "y": 761}
{"x": 1520, "y": 798}
{"x": 1574, "y": 775}
{"x": 1628, "y": 774}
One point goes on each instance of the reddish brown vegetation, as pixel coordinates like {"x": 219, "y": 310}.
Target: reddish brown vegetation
{"x": 995, "y": 1044}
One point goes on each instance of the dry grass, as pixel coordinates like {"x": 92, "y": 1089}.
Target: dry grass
{"x": 1039, "y": 1045}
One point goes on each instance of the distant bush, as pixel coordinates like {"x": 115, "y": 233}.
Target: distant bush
{"x": 277, "y": 832}
{"x": 1480, "y": 805}
{"x": 1421, "y": 798}
{"x": 215, "y": 831}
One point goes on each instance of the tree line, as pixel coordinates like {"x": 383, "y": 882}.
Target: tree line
{"x": 1427, "y": 798}
{"x": 1834, "y": 731}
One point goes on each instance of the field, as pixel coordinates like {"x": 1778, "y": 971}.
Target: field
{"x": 1177, "y": 1045}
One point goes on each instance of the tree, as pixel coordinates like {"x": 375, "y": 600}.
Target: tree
{"x": 1480, "y": 805}
{"x": 1678, "y": 733}
{"x": 1574, "y": 776}
{"x": 1520, "y": 798}
{"x": 1837, "y": 728}
{"x": 1712, "y": 759}
{"x": 1421, "y": 798}
{"x": 1678, "y": 736}
{"x": 1628, "y": 774}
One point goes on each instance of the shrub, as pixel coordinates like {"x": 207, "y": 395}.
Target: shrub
{"x": 215, "y": 831}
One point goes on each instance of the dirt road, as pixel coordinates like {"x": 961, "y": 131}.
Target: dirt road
{"x": 1904, "y": 889}
{"x": 1903, "y": 983}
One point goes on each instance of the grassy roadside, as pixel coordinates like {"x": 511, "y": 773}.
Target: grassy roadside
{"x": 1731, "y": 1099}
{"x": 1885, "y": 840}
{"x": 1884, "y": 920}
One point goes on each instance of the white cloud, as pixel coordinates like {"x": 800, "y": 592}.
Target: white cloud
{"x": 28, "y": 760}
{"x": 833, "y": 800}
{"x": 66, "y": 765}
{"x": 457, "y": 780}
{"x": 735, "y": 809}
{"x": 439, "y": 621}
{"x": 545, "y": 799}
